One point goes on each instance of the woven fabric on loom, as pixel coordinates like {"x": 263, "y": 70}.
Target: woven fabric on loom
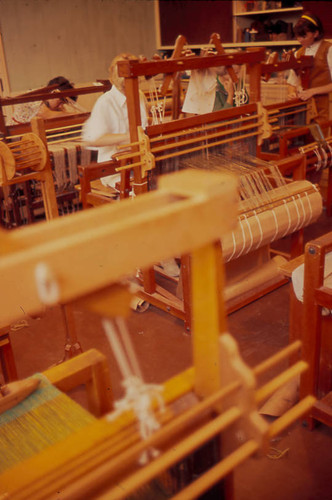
{"x": 65, "y": 159}
{"x": 44, "y": 418}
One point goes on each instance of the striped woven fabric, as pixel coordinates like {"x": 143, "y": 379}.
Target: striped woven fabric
{"x": 41, "y": 420}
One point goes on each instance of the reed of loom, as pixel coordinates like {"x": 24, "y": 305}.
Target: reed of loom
{"x": 101, "y": 459}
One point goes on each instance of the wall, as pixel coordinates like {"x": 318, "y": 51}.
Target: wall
{"x": 323, "y": 10}
{"x": 74, "y": 38}
{"x": 195, "y": 19}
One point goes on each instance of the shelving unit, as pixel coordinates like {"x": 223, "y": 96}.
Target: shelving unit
{"x": 246, "y": 13}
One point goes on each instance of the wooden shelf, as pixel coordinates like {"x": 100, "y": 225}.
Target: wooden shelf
{"x": 268, "y": 11}
{"x": 244, "y": 20}
{"x": 263, "y": 43}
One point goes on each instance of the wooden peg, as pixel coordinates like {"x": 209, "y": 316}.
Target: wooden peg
{"x": 178, "y": 47}
{"x": 215, "y": 40}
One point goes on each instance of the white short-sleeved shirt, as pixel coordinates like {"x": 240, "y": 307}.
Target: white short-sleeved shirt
{"x": 109, "y": 116}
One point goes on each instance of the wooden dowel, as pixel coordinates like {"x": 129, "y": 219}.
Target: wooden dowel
{"x": 70, "y": 139}
{"x": 282, "y": 115}
{"x": 126, "y": 146}
{"x": 173, "y": 455}
{"x": 27, "y": 164}
{"x": 65, "y": 127}
{"x": 128, "y": 156}
{"x": 66, "y": 136}
{"x": 127, "y": 455}
{"x": 291, "y": 415}
{"x": 25, "y": 177}
{"x": 301, "y": 105}
{"x": 27, "y": 154}
{"x": 218, "y": 472}
{"x": 21, "y": 145}
{"x": 130, "y": 165}
{"x": 276, "y": 358}
{"x": 268, "y": 389}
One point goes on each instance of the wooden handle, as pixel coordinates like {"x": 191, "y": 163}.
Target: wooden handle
{"x": 179, "y": 44}
{"x": 215, "y": 39}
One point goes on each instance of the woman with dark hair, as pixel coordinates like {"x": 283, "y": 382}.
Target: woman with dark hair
{"x": 59, "y": 106}
{"x": 62, "y": 84}
{"x": 310, "y": 33}
{"x": 56, "y": 107}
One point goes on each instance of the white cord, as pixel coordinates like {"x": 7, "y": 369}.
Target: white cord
{"x": 138, "y": 395}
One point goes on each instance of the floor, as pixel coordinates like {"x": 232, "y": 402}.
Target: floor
{"x": 164, "y": 348}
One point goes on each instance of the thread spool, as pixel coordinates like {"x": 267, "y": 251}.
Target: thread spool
{"x": 27, "y": 153}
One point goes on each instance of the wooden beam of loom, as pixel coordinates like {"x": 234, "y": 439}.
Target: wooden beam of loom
{"x": 301, "y": 66}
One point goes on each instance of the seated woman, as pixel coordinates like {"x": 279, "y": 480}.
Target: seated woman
{"x": 59, "y": 106}
{"x": 48, "y": 109}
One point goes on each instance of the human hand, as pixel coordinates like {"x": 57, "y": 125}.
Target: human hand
{"x": 306, "y": 94}
{"x": 229, "y": 87}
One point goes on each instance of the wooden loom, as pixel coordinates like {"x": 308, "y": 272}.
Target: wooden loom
{"x": 61, "y": 136}
{"x": 177, "y": 139}
{"x": 310, "y": 322}
{"x": 286, "y": 114}
{"x": 61, "y": 260}
{"x": 318, "y": 156}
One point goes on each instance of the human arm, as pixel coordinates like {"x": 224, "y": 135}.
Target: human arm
{"x": 45, "y": 112}
{"x": 229, "y": 87}
{"x": 107, "y": 125}
{"x": 323, "y": 89}
{"x": 106, "y": 140}
{"x": 308, "y": 93}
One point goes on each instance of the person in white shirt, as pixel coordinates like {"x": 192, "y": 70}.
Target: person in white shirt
{"x": 108, "y": 125}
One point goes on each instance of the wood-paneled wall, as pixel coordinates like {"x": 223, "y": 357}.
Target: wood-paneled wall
{"x": 74, "y": 38}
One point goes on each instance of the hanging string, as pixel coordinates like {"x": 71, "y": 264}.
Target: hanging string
{"x": 138, "y": 395}
{"x": 157, "y": 106}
